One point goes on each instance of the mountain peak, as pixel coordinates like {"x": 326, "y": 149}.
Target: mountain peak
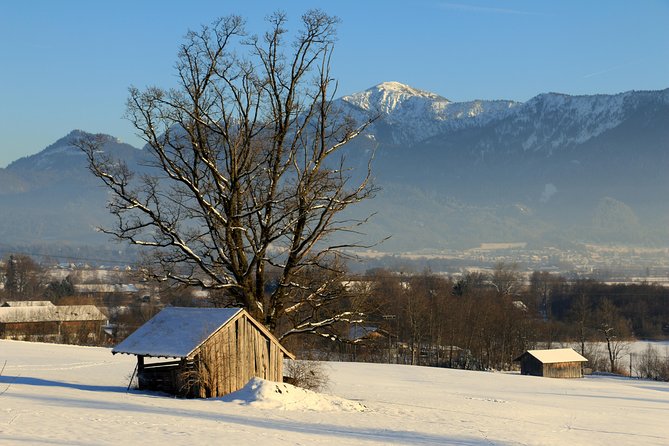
{"x": 398, "y": 88}
{"x": 65, "y": 142}
{"x": 386, "y": 97}
{"x": 64, "y": 152}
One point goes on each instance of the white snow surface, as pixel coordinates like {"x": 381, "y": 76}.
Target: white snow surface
{"x": 58, "y": 395}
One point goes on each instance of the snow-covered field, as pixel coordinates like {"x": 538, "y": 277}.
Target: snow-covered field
{"x": 67, "y": 395}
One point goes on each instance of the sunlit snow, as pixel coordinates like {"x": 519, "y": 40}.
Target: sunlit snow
{"x": 55, "y": 394}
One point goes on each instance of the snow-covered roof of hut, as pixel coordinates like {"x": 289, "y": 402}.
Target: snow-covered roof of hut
{"x": 555, "y": 355}
{"x": 28, "y": 303}
{"x": 63, "y": 313}
{"x": 176, "y": 332}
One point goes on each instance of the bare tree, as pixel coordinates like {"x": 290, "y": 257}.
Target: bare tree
{"x": 24, "y": 279}
{"x": 506, "y": 279}
{"x": 246, "y": 172}
{"x": 542, "y": 287}
{"x": 615, "y": 331}
{"x": 581, "y": 313}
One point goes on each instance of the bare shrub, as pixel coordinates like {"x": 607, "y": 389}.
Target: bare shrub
{"x": 310, "y": 375}
{"x": 653, "y": 366}
{"x": 596, "y": 358}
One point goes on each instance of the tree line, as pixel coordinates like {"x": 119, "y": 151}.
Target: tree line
{"x": 483, "y": 320}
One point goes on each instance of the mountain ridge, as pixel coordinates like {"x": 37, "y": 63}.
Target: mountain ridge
{"x": 553, "y": 169}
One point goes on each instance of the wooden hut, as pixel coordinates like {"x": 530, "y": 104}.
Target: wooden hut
{"x": 555, "y": 363}
{"x": 41, "y": 320}
{"x": 213, "y": 351}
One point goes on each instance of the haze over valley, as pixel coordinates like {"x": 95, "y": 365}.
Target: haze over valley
{"x": 557, "y": 181}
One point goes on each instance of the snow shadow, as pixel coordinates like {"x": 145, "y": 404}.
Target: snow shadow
{"x": 656, "y": 388}
{"x": 29, "y": 381}
{"x": 608, "y": 397}
{"x": 316, "y": 429}
{"x": 31, "y": 441}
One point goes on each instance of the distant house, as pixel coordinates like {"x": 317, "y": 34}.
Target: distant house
{"x": 359, "y": 333}
{"x": 43, "y": 321}
{"x": 555, "y": 363}
{"x": 215, "y": 350}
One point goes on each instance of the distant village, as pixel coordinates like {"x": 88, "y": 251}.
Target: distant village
{"x": 80, "y": 303}
{"x": 610, "y": 264}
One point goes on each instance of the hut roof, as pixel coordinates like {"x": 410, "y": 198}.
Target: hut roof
{"x": 555, "y": 355}
{"x": 63, "y": 313}
{"x": 28, "y": 303}
{"x": 176, "y": 332}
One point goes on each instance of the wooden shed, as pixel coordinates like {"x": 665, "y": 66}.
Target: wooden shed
{"x": 44, "y": 321}
{"x": 555, "y": 363}
{"x": 213, "y": 351}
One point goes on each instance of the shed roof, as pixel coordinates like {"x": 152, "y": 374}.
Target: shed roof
{"x": 176, "y": 332}
{"x": 63, "y": 313}
{"x": 555, "y": 355}
{"x": 28, "y": 303}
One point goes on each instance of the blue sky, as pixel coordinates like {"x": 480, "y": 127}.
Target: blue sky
{"x": 67, "y": 64}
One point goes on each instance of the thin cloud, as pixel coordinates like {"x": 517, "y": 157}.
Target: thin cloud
{"x": 608, "y": 70}
{"x": 485, "y": 9}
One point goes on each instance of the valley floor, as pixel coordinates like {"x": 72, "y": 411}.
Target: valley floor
{"x": 57, "y": 395}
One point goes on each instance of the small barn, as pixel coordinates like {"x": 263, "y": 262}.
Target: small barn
{"x": 554, "y": 363}
{"x": 203, "y": 352}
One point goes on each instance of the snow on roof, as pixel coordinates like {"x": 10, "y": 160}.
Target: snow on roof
{"x": 28, "y": 303}
{"x": 63, "y": 313}
{"x": 175, "y": 332}
{"x": 557, "y": 355}
{"x": 358, "y": 332}
{"x": 105, "y": 288}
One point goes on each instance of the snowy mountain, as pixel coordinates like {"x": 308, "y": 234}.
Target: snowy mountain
{"x": 407, "y": 115}
{"x": 553, "y": 122}
{"x": 455, "y": 174}
{"x": 552, "y": 170}
{"x": 546, "y": 122}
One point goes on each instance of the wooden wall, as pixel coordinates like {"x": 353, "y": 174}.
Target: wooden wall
{"x": 529, "y": 365}
{"x": 563, "y": 370}
{"x": 234, "y": 355}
